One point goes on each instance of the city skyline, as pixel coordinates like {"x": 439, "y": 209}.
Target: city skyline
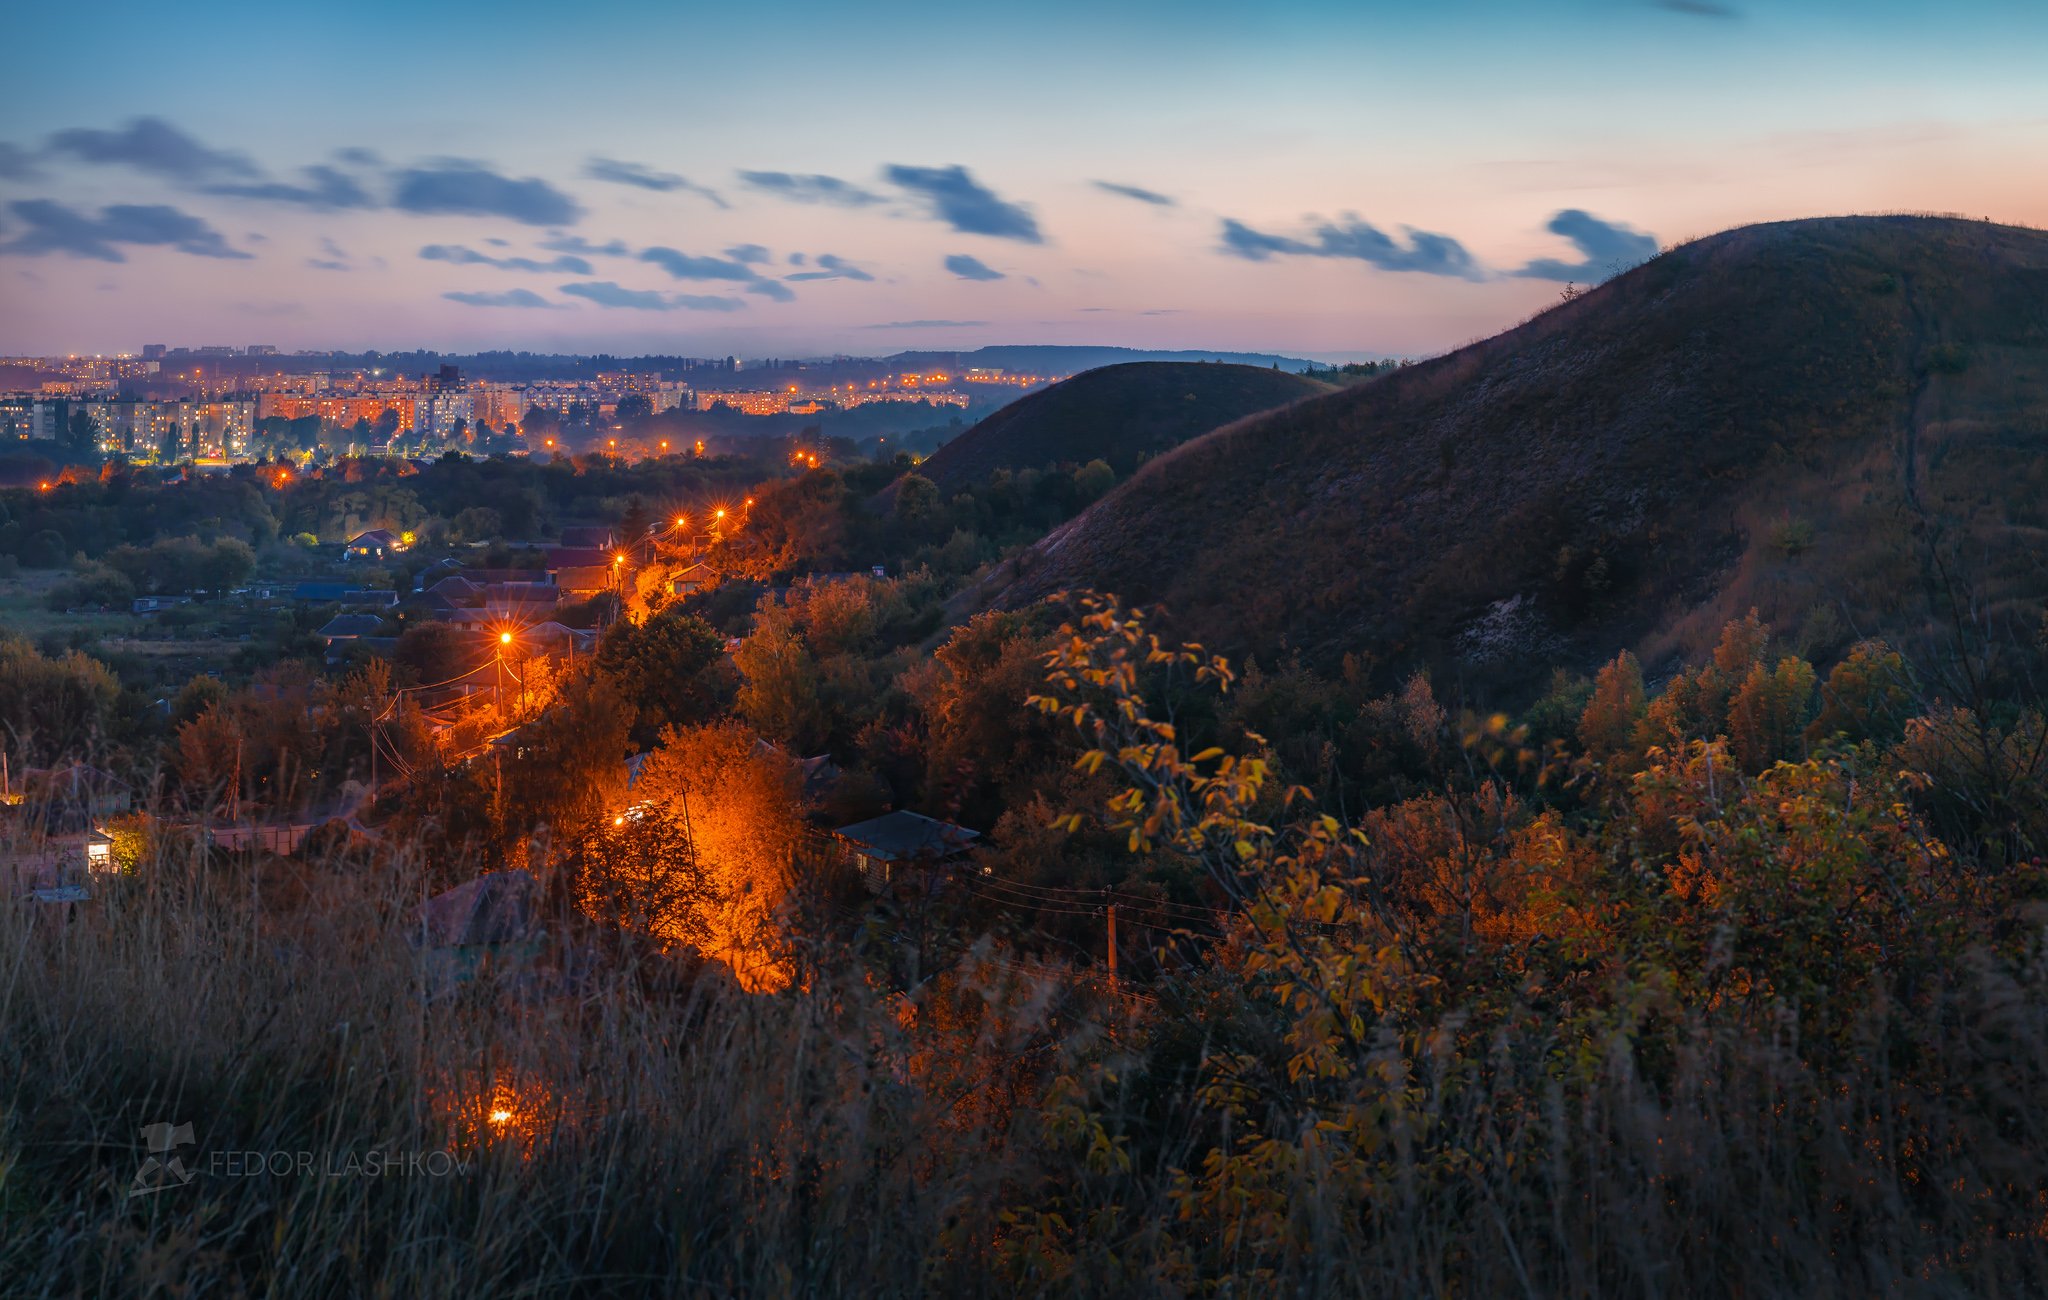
{"x": 795, "y": 181}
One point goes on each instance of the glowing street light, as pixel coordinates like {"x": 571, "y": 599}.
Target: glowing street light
{"x": 504, "y": 638}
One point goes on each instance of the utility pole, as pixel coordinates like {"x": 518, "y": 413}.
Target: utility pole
{"x": 1112, "y": 944}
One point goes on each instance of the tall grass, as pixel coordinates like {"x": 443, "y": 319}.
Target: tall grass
{"x": 668, "y": 1133}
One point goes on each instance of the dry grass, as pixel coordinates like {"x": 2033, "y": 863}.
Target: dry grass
{"x": 670, "y": 1134}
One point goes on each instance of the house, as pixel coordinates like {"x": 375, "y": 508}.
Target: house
{"x": 156, "y": 604}
{"x": 495, "y": 918}
{"x": 555, "y": 638}
{"x": 595, "y": 537}
{"x": 374, "y": 545}
{"x": 693, "y": 579}
{"x": 881, "y": 846}
{"x": 342, "y": 629}
{"x": 583, "y": 569}
{"x": 341, "y": 593}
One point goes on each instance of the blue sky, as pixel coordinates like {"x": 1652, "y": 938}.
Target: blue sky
{"x": 792, "y": 179}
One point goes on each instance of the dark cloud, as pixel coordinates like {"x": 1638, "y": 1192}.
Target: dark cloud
{"x": 578, "y": 244}
{"x": 1425, "y": 253}
{"x": 509, "y": 298}
{"x": 1605, "y": 249}
{"x": 830, "y": 267}
{"x": 54, "y": 228}
{"x": 1698, "y": 8}
{"x": 925, "y": 324}
{"x": 153, "y": 145}
{"x": 16, "y": 163}
{"x": 773, "y": 290}
{"x": 1142, "y": 195}
{"x": 749, "y": 253}
{"x": 606, "y": 294}
{"x": 971, "y": 268}
{"x": 646, "y": 178}
{"x": 683, "y": 266}
{"x": 464, "y": 188}
{"x": 966, "y": 205}
{"x": 812, "y": 189}
{"x": 326, "y": 190}
{"x": 358, "y": 157}
{"x": 462, "y": 256}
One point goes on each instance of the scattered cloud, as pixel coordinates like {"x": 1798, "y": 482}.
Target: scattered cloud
{"x": 509, "y": 298}
{"x": 54, "y": 228}
{"x": 926, "y": 325}
{"x": 462, "y": 256}
{"x": 749, "y": 253}
{"x": 359, "y": 157}
{"x": 772, "y": 290}
{"x": 16, "y": 163}
{"x": 607, "y": 294}
{"x": 971, "y": 268}
{"x": 332, "y": 258}
{"x": 956, "y": 198}
{"x": 646, "y": 178}
{"x": 326, "y": 190}
{"x": 1697, "y": 8}
{"x": 829, "y": 190}
{"x": 150, "y": 144}
{"x": 1424, "y": 252}
{"x": 1142, "y": 195}
{"x": 464, "y": 188}
{"x": 579, "y": 245}
{"x": 684, "y": 266}
{"x": 1605, "y": 249}
{"x": 830, "y": 267}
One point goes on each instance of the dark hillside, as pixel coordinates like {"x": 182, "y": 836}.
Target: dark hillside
{"x": 1121, "y": 414}
{"x": 1794, "y": 416}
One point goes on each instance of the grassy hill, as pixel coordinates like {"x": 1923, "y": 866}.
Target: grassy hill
{"x": 1817, "y": 418}
{"x": 1121, "y": 414}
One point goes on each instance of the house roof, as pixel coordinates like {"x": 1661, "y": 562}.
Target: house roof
{"x": 498, "y": 907}
{"x": 578, "y": 557}
{"x": 456, "y": 588}
{"x": 594, "y": 536}
{"x": 343, "y": 593}
{"x": 351, "y": 625}
{"x": 902, "y": 835}
{"x": 375, "y": 537}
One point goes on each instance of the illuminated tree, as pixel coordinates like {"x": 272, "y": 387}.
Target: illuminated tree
{"x": 741, "y": 805}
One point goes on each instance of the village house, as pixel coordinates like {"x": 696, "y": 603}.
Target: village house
{"x": 882, "y": 847}
{"x": 374, "y": 545}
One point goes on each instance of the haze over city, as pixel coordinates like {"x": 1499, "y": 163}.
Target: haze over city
{"x": 795, "y": 179}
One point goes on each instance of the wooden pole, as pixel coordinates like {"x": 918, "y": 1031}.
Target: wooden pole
{"x": 1112, "y": 943}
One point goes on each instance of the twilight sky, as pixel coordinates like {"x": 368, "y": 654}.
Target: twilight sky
{"x": 793, "y": 177}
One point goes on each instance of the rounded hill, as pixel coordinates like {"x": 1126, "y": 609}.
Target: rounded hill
{"x": 1121, "y": 414}
{"x": 1840, "y": 422}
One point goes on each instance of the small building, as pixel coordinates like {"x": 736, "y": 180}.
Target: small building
{"x": 342, "y": 629}
{"x": 374, "y": 545}
{"x": 693, "y": 579}
{"x": 341, "y": 593}
{"x": 882, "y": 846}
{"x": 597, "y": 537}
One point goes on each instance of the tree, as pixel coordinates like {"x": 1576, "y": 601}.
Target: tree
{"x": 1607, "y": 727}
{"x": 639, "y": 874}
{"x": 746, "y": 827}
{"x": 82, "y": 435}
{"x": 780, "y": 685}
{"x": 387, "y": 424}
{"x": 663, "y": 666}
{"x": 1094, "y": 479}
{"x": 917, "y": 498}
{"x": 171, "y": 447}
{"x": 633, "y": 407}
